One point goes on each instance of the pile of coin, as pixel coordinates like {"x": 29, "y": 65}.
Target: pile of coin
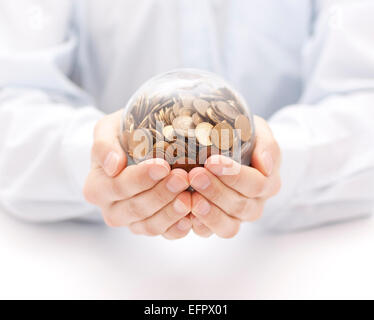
{"x": 185, "y": 128}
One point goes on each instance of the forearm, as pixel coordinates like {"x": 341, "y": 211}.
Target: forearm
{"x": 327, "y": 138}
{"x": 328, "y": 162}
{"x": 44, "y": 155}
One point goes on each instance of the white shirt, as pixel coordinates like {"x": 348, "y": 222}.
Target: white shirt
{"x": 307, "y": 66}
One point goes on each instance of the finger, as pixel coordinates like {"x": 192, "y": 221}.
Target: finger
{"x": 246, "y": 180}
{"x": 199, "y": 228}
{"x": 227, "y": 199}
{"x": 161, "y": 221}
{"x": 106, "y": 150}
{"x": 213, "y": 217}
{"x": 178, "y": 230}
{"x": 135, "y": 179}
{"x": 145, "y": 204}
{"x": 266, "y": 154}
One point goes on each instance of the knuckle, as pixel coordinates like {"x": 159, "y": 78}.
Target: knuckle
{"x": 259, "y": 186}
{"x": 215, "y": 194}
{"x": 233, "y": 181}
{"x": 134, "y": 210}
{"x": 116, "y": 189}
{"x": 160, "y": 195}
{"x": 170, "y": 214}
{"x": 215, "y": 219}
{"x": 241, "y": 206}
{"x": 137, "y": 180}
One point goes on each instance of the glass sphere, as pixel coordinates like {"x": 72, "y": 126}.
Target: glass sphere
{"x": 184, "y": 116}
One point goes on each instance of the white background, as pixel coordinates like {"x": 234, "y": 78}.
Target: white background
{"x": 80, "y": 260}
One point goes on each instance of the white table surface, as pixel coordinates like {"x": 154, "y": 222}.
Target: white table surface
{"x": 77, "y": 260}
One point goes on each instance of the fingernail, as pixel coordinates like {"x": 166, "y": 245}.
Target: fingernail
{"x": 200, "y": 181}
{"x": 202, "y": 207}
{"x": 267, "y": 161}
{"x": 111, "y": 163}
{"x": 158, "y": 172}
{"x": 176, "y": 184}
{"x": 179, "y": 206}
{"x": 183, "y": 225}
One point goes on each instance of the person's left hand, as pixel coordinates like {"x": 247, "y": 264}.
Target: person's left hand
{"x": 227, "y": 193}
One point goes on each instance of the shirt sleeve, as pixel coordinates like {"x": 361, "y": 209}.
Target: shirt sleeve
{"x": 46, "y": 120}
{"x": 327, "y": 138}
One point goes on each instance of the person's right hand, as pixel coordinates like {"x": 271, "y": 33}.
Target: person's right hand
{"x": 149, "y": 198}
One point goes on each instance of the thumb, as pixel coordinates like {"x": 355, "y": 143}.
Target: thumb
{"x": 107, "y": 151}
{"x": 266, "y": 154}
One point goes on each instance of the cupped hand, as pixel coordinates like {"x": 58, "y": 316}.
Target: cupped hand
{"x": 149, "y": 198}
{"x": 227, "y": 193}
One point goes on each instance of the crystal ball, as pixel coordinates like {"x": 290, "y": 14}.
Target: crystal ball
{"x": 184, "y": 116}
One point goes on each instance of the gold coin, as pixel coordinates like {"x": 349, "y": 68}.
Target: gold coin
{"x": 169, "y": 154}
{"x": 166, "y": 104}
{"x": 201, "y": 106}
{"x": 202, "y": 132}
{"x": 140, "y": 143}
{"x": 159, "y": 149}
{"x": 222, "y": 136}
{"x": 242, "y": 123}
{"x": 236, "y": 105}
{"x": 226, "y": 110}
{"x": 185, "y": 111}
{"x": 226, "y": 93}
{"x": 161, "y": 115}
{"x": 176, "y": 107}
{"x": 183, "y": 126}
{"x": 161, "y": 145}
{"x": 168, "y": 116}
{"x": 144, "y": 122}
{"x": 172, "y": 116}
{"x": 158, "y": 136}
{"x": 196, "y": 118}
{"x": 212, "y": 115}
{"x": 168, "y": 133}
